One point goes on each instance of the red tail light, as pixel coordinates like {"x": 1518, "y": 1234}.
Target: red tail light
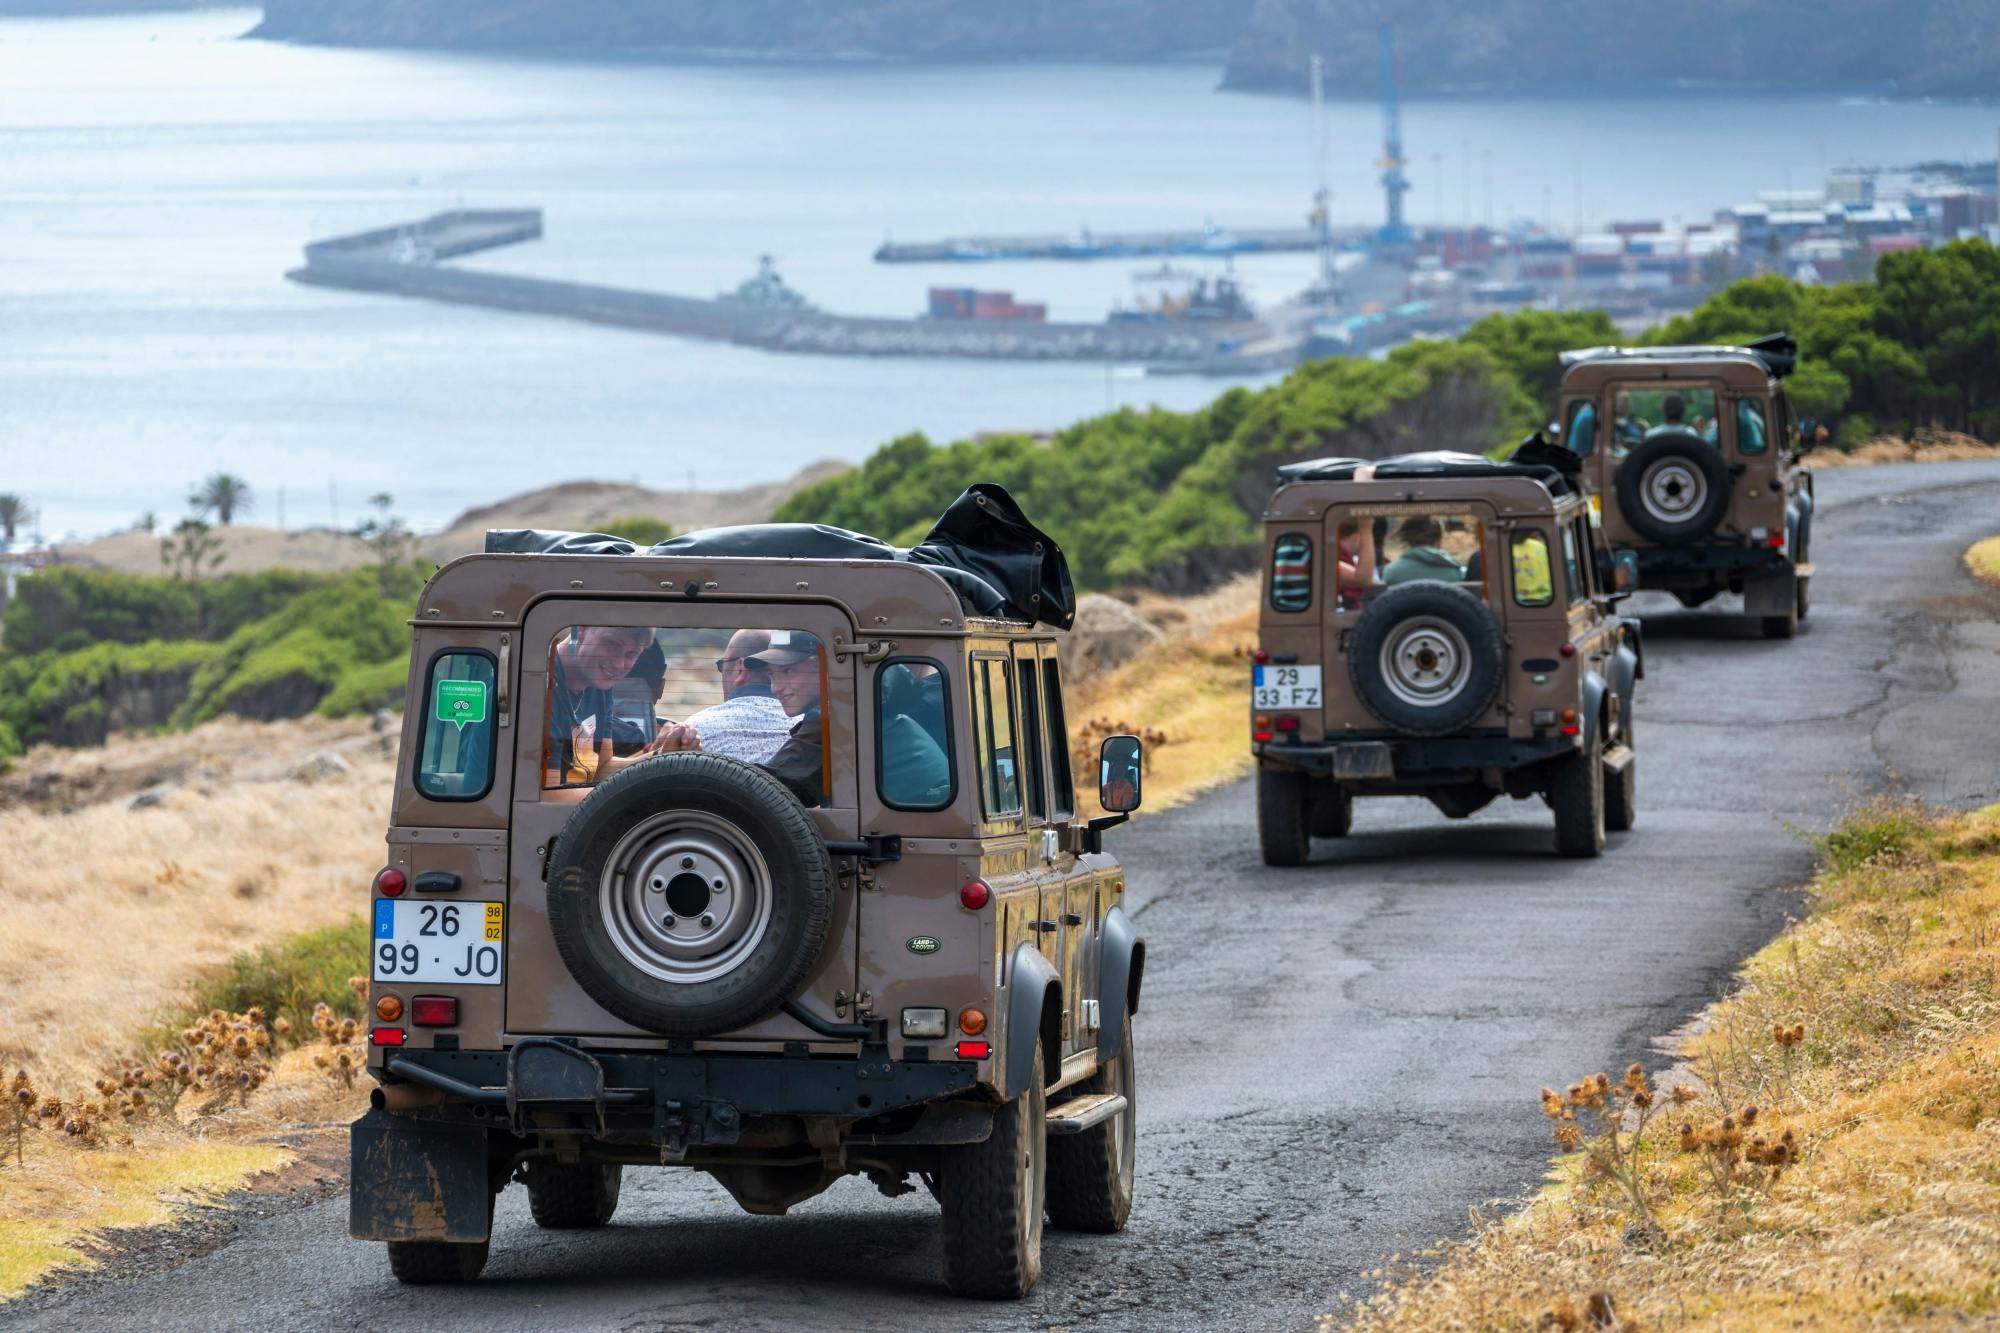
{"x": 386, "y": 1037}
{"x": 1777, "y": 541}
{"x": 975, "y": 1050}
{"x": 1260, "y": 657}
{"x": 434, "y": 1011}
{"x": 1260, "y": 735}
{"x": 975, "y": 895}
{"x": 1567, "y": 650}
{"x": 1287, "y": 722}
{"x": 390, "y": 883}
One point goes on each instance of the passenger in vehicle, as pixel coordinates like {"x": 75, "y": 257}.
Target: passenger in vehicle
{"x": 1749, "y": 429}
{"x": 1626, "y": 429}
{"x": 583, "y": 670}
{"x": 1582, "y": 435}
{"x": 915, "y": 771}
{"x": 1673, "y": 417}
{"x": 1423, "y": 557}
{"x": 1355, "y": 561}
{"x": 635, "y": 702}
{"x": 749, "y": 724}
{"x": 800, "y": 761}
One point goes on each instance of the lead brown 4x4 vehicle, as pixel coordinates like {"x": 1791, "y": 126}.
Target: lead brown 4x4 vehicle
{"x": 1694, "y": 454}
{"x": 756, "y": 852}
{"x": 1440, "y": 625}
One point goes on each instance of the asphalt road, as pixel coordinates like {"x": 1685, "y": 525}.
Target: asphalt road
{"x": 1334, "y": 1062}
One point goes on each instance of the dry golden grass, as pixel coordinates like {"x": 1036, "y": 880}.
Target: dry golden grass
{"x": 1926, "y": 447}
{"x": 1191, "y": 692}
{"x": 1870, "y": 1033}
{"x": 108, "y": 913}
{"x": 1984, "y": 559}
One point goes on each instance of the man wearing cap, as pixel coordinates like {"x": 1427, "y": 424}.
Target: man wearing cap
{"x": 749, "y": 724}
{"x": 800, "y": 761}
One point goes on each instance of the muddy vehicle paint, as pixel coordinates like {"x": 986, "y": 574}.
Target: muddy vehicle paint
{"x": 862, "y": 929}
{"x": 1444, "y": 626}
{"x": 1693, "y": 454}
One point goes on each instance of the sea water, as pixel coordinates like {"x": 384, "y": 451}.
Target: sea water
{"x": 158, "y": 176}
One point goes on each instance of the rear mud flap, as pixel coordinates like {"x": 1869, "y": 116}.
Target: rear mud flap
{"x": 1770, "y": 592}
{"x": 413, "y": 1179}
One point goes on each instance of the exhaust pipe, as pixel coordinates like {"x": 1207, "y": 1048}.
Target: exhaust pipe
{"x": 404, "y": 1097}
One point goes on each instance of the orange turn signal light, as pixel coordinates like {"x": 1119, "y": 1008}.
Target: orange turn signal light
{"x": 389, "y": 1008}
{"x": 971, "y": 1022}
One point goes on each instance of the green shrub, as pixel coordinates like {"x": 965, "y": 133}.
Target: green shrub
{"x": 361, "y": 689}
{"x": 288, "y": 978}
{"x": 1882, "y": 828}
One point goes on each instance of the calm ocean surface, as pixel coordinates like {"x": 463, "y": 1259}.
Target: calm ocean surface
{"x": 157, "y": 177}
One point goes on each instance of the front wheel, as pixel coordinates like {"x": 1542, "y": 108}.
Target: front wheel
{"x": 1284, "y": 804}
{"x": 994, "y": 1196}
{"x": 428, "y": 1263}
{"x": 1576, "y": 794}
{"x": 1091, "y": 1174}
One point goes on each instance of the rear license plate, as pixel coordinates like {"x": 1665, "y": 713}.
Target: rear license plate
{"x": 1284, "y": 687}
{"x": 457, "y": 944}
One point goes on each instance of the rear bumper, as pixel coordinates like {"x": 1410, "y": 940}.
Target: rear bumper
{"x": 1660, "y": 565}
{"x": 1360, "y": 759}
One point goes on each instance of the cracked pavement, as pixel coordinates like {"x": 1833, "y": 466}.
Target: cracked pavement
{"x": 1335, "y": 1062}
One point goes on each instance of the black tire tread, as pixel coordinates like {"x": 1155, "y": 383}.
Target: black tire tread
{"x": 577, "y": 1196}
{"x": 1086, "y": 1186}
{"x": 1576, "y": 794}
{"x": 430, "y": 1263}
{"x": 984, "y": 1254}
{"x": 1283, "y": 834}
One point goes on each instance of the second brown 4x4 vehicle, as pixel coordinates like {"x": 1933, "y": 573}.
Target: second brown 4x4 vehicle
{"x": 756, "y": 852}
{"x": 1440, "y": 625}
{"x": 1693, "y": 453}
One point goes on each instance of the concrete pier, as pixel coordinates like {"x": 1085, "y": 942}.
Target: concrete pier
{"x": 1209, "y": 241}
{"x": 404, "y": 261}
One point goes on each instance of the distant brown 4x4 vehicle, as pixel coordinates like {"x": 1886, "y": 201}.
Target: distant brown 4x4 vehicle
{"x": 1440, "y": 625}
{"x": 755, "y": 852}
{"x": 1695, "y": 456}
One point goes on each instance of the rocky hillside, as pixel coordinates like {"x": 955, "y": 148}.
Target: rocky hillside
{"x": 891, "y": 29}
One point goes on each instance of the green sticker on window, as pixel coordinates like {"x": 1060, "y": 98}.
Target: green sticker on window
{"x": 461, "y": 701}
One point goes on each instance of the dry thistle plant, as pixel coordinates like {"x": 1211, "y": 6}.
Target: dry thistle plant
{"x": 1738, "y": 1163}
{"x": 338, "y": 1063}
{"x": 1083, "y": 749}
{"x": 1611, "y": 1146}
{"x": 226, "y": 1056}
{"x": 21, "y": 1103}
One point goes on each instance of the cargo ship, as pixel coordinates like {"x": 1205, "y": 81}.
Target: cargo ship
{"x": 968, "y": 303}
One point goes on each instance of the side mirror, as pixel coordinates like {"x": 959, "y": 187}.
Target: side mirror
{"x": 1120, "y": 761}
{"x": 1626, "y": 566}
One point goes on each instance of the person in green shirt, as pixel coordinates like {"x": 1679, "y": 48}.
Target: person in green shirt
{"x": 1423, "y": 556}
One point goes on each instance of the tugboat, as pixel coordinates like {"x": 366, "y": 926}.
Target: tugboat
{"x": 1169, "y": 293}
{"x": 767, "y": 289}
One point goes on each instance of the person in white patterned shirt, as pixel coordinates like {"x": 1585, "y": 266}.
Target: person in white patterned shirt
{"x": 749, "y": 724}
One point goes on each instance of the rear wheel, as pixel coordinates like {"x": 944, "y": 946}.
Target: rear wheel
{"x": 1332, "y": 810}
{"x": 428, "y": 1263}
{"x": 1805, "y": 600}
{"x": 1091, "y": 1174}
{"x": 1621, "y": 791}
{"x": 1282, "y": 810}
{"x": 574, "y": 1196}
{"x": 1576, "y": 794}
{"x": 994, "y": 1195}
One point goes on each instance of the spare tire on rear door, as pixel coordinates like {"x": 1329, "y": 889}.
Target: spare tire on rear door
{"x": 1425, "y": 658}
{"x": 1673, "y": 488}
{"x": 690, "y": 895}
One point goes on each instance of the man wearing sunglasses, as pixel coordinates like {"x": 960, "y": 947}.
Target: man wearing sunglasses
{"x": 749, "y": 724}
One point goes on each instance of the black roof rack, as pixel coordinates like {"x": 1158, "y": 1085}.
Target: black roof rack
{"x": 1779, "y": 353}
{"x": 998, "y": 563}
{"x": 1554, "y": 468}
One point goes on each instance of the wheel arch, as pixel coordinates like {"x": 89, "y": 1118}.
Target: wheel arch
{"x": 1034, "y": 1010}
{"x": 1121, "y": 963}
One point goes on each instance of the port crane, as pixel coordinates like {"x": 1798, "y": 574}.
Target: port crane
{"x": 1395, "y": 232}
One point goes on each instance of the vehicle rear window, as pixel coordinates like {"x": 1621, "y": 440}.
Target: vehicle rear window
{"x": 1752, "y": 433}
{"x": 1642, "y": 414}
{"x": 1534, "y": 582}
{"x": 913, "y": 735}
{"x": 1380, "y": 546}
{"x": 993, "y": 719}
{"x": 1291, "y": 572}
{"x": 455, "y": 756}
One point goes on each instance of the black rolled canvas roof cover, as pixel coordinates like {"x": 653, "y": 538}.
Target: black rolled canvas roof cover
{"x": 997, "y": 562}
{"x": 1551, "y": 465}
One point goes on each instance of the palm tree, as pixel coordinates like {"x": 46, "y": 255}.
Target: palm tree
{"x": 227, "y": 495}
{"x": 13, "y": 513}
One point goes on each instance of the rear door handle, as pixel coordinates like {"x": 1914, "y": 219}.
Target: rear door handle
{"x": 1044, "y": 926}
{"x": 1072, "y": 918}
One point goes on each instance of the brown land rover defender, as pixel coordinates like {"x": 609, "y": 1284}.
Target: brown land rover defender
{"x": 755, "y": 852}
{"x": 1439, "y": 625}
{"x": 1694, "y": 456}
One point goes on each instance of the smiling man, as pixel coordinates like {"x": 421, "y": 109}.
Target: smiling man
{"x": 794, "y": 668}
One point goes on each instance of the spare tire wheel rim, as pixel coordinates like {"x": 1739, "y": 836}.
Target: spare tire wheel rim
{"x": 1426, "y": 661}
{"x": 686, "y": 896}
{"x": 1674, "y": 490}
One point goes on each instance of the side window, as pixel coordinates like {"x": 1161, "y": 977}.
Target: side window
{"x": 455, "y": 755}
{"x": 1062, "y": 790}
{"x": 1752, "y": 433}
{"x": 913, "y": 767}
{"x": 1533, "y": 582}
{"x": 1291, "y": 572}
{"x": 1031, "y": 739}
{"x": 1572, "y": 566}
{"x": 1580, "y": 431}
{"x": 993, "y": 719}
